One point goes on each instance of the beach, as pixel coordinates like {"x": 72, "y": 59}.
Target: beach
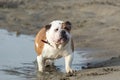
{"x": 95, "y": 25}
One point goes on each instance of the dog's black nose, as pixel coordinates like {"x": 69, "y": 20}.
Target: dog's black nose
{"x": 63, "y": 32}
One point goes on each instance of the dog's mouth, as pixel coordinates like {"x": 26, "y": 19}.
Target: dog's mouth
{"x": 62, "y": 40}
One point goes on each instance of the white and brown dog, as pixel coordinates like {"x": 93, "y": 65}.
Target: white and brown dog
{"x": 54, "y": 41}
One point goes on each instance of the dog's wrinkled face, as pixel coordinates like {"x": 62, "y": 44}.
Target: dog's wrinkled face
{"x": 59, "y": 32}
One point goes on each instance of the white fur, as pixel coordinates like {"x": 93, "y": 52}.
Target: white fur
{"x": 53, "y": 52}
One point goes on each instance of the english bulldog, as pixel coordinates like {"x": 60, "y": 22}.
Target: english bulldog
{"x": 54, "y": 41}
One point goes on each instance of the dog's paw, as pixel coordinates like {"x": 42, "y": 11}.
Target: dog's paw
{"x": 69, "y": 70}
{"x": 71, "y": 73}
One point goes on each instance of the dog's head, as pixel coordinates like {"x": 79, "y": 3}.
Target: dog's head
{"x": 58, "y": 32}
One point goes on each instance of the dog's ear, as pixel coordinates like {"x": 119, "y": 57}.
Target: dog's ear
{"x": 68, "y": 25}
{"x": 47, "y": 26}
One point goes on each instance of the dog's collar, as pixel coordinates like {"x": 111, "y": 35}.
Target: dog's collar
{"x": 46, "y": 42}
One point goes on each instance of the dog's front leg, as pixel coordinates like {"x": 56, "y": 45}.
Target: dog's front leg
{"x": 68, "y": 63}
{"x": 41, "y": 63}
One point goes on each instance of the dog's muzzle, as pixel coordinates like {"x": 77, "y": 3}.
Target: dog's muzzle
{"x": 63, "y": 38}
{"x": 64, "y": 35}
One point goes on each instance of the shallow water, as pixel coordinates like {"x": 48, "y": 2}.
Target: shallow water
{"x": 17, "y": 57}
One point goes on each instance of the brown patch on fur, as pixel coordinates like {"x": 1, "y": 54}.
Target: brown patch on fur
{"x": 67, "y": 26}
{"x": 38, "y": 40}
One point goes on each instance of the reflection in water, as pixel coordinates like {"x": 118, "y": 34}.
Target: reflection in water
{"x": 26, "y": 71}
{"x": 29, "y": 71}
{"x": 17, "y": 55}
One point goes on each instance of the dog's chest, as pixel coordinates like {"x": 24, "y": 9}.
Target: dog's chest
{"x": 52, "y": 53}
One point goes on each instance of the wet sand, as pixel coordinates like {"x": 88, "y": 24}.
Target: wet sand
{"x": 96, "y": 24}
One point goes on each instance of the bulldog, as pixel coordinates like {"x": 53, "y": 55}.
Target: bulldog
{"x": 54, "y": 41}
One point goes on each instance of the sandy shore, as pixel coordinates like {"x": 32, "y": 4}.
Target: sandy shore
{"x": 96, "y": 24}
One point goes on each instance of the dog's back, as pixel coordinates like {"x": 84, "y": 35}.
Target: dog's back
{"x": 38, "y": 40}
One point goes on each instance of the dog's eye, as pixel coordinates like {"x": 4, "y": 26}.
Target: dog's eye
{"x": 56, "y": 30}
